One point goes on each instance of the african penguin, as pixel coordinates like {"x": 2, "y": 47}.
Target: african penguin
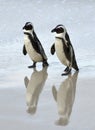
{"x": 64, "y": 49}
{"x": 33, "y": 46}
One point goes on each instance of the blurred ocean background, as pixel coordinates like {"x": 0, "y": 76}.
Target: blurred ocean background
{"x": 78, "y": 17}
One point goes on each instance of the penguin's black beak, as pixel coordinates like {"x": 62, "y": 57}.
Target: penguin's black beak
{"x": 53, "y": 30}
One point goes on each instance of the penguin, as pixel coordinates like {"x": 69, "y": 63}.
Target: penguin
{"x": 33, "y": 46}
{"x": 64, "y": 49}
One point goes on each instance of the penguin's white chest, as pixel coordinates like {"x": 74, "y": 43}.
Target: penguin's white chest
{"x": 36, "y": 57}
{"x": 60, "y": 52}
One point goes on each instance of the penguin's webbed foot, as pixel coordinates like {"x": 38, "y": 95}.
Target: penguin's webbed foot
{"x": 32, "y": 66}
{"x": 66, "y": 69}
{"x": 67, "y": 72}
{"x": 45, "y": 63}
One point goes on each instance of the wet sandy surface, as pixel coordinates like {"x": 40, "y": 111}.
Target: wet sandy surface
{"x": 43, "y": 100}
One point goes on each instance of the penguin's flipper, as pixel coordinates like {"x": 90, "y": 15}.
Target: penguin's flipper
{"x": 26, "y": 81}
{"x": 53, "y": 49}
{"x": 24, "y": 50}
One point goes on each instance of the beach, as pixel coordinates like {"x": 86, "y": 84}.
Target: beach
{"x": 41, "y": 98}
{"x": 38, "y": 106}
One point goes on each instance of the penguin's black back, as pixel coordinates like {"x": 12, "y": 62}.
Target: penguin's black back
{"x": 74, "y": 63}
{"x": 67, "y": 49}
{"x": 37, "y": 45}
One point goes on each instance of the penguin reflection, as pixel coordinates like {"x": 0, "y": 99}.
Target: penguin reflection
{"x": 34, "y": 87}
{"x": 64, "y": 97}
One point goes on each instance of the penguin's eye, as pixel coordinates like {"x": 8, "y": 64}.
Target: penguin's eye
{"x": 60, "y": 30}
{"x": 29, "y": 27}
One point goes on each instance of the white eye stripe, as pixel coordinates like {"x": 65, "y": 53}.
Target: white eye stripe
{"x": 61, "y": 26}
{"x": 29, "y": 23}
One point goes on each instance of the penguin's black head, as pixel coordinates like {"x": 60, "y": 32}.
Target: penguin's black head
{"x": 28, "y": 26}
{"x": 59, "y": 29}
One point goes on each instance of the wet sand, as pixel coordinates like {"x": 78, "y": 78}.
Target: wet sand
{"x": 43, "y": 99}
